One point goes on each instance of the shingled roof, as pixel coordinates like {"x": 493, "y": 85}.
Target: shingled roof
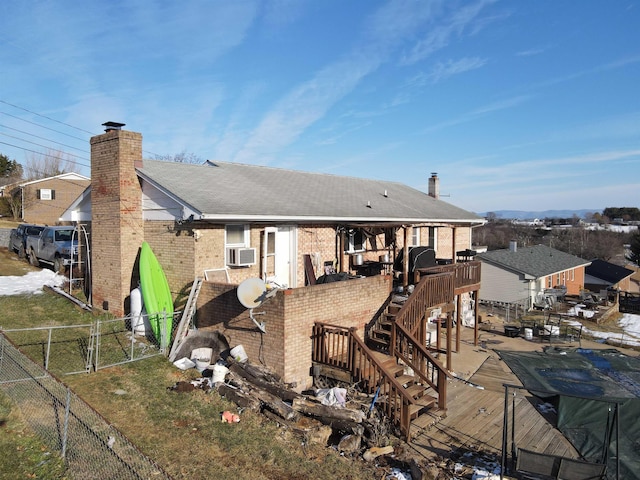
{"x": 609, "y": 272}
{"x": 223, "y": 190}
{"x": 537, "y": 261}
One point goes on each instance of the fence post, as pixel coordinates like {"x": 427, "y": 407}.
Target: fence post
{"x": 163, "y": 331}
{"x": 46, "y": 360}
{"x": 65, "y": 430}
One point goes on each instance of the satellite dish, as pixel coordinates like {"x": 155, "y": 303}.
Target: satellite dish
{"x": 252, "y": 293}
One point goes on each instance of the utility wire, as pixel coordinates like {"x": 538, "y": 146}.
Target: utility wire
{"x": 48, "y": 118}
{"x": 157, "y": 155}
{"x": 43, "y": 138}
{"x": 42, "y": 126}
{"x": 44, "y": 154}
{"x": 43, "y": 146}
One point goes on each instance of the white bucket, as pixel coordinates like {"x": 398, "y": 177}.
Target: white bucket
{"x": 528, "y": 333}
{"x": 202, "y": 357}
{"x": 219, "y": 372}
{"x": 238, "y": 354}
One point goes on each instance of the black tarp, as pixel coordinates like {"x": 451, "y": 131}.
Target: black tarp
{"x": 591, "y": 386}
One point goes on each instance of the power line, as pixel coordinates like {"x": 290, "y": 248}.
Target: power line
{"x": 45, "y": 154}
{"x": 48, "y": 118}
{"x": 43, "y": 146}
{"x": 43, "y": 138}
{"x": 42, "y": 126}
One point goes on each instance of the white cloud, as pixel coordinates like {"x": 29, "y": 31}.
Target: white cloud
{"x": 443, "y": 70}
{"x": 439, "y": 36}
{"x": 311, "y": 100}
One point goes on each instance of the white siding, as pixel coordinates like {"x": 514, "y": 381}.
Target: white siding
{"x": 500, "y": 285}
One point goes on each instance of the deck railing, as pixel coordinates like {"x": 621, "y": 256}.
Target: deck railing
{"x": 432, "y": 291}
{"x": 341, "y": 347}
{"x": 465, "y": 274}
{"x": 415, "y": 355}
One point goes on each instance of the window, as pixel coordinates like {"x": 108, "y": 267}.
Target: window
{"x": 237, "y": 236}
{"x": 271, "y": 242}
{"x": 415, "y": 237}
{"x": 433, "y": 237}
{"x": 46, "y": 194}
{"x": 354, "y": 241}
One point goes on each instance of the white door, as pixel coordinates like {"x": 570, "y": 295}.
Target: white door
{"x": 285, "y": 264}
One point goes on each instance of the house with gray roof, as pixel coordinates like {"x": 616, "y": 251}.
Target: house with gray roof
{"x": 228, "y": 223}
{"x": 266, "y": 220}
{"x": 602, "y": 275}
{"x": 522, "y": 275}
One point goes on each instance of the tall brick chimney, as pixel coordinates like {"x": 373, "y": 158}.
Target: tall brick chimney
{"x": 116, "y": 209}
{"x": 434, "y": 186}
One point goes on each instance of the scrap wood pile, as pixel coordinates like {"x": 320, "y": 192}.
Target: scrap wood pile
{"x": 318, "y": 416}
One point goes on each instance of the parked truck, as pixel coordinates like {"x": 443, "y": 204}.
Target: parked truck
{"x": 18, "y": 237}
{"x": 55, "y": 246}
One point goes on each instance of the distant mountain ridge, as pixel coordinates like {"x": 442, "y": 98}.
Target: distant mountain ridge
{"x": 530, "y": 215}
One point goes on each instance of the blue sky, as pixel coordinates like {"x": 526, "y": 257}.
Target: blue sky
{"x": 519, "y": 105}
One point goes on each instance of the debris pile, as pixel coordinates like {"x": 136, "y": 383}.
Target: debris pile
{"x": 342, "y": 418}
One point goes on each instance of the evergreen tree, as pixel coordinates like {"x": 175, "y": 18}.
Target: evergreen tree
{"x": 634, "y": 255}
{"x": 10, "y": 170}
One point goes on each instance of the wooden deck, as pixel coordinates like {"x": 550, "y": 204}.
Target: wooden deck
{"x": 474, "y": 420}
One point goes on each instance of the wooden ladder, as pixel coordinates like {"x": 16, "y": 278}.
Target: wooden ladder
{"x": 187, "y": 317}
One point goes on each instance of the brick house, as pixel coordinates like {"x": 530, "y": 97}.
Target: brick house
{"x": 521, "y": 275}
{"x": 231, "y": 222}
{"x": 45, "y": 200}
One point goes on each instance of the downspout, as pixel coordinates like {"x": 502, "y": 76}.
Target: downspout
{"x": 453, "y": 246}
{"x": 405, "y": 258}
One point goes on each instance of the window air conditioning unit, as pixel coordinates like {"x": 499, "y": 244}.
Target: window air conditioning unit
{"x": 241, "y": 257}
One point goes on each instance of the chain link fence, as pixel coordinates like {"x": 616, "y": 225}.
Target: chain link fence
{"x": 71, "y": 349}
{"x": 91, "y": 448}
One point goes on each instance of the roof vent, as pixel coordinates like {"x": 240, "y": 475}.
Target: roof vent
{"x": 109, "y": 126}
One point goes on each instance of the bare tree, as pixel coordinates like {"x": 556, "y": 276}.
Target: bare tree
{"x": 48, "y": 164}
{"x": 182, "y": 157}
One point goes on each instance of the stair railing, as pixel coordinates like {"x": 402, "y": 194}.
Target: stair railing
{"x": 408, "y": 331}
{"x": 341, "y": 347}
{"x": 421, "y": 361}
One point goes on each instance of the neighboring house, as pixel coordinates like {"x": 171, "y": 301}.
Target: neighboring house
{"x": 521, "y": 275}
{"x": 232, "y": 222}
{"x": 601, "y": 275}
{"x": 44, "y": 201}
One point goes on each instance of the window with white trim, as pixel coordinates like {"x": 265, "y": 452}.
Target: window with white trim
{"x": 236, "y": 235}
{"x": 46, "y": 194}
{"x": 354, "y": 241}
{"x": 415, "y": 236}
{"x": 433, "y": 237}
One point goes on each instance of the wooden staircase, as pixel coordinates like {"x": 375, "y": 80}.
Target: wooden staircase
{"x": 404, "y": 392}
{"x": 421, "y": 398}
{"x": 379, "y": 335}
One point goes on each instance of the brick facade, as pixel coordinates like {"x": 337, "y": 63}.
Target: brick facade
{"x": 47, "y": 212}
{"x": 289, "y": 317}
{"x": 186, "y": 249}
{"x": 117, "y": 228}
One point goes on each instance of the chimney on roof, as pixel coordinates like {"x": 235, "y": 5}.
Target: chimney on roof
{"x": 434, "y": 185}
{"x": 513, "y": 246}
{"x": 109, "y": 126}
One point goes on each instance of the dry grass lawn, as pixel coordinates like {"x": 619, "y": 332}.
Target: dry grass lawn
{"x": 182, "y": 432}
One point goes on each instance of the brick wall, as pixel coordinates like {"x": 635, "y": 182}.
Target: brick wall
{"x": 289, "y": 318}
{"x": 48, "y": 212}
{"x": 117, "y": 230}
